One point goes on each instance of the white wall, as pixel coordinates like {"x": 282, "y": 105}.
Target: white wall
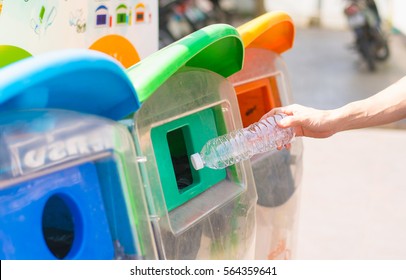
{"x": 331, "y": 14}
{"x": 398, "y": 11}
{"x": 300, "y": 11}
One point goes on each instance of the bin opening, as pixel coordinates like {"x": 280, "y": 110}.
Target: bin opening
{"x": 180, "y": 159}
{"x": 58, "y": 227}
{"x": 173, "y": 143}
{"x": 256, "y": 98}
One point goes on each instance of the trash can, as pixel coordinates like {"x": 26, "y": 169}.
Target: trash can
{"x": 261, "y": 85}
{"x": 69, "y": 181}
{"x": 187, "y": 100}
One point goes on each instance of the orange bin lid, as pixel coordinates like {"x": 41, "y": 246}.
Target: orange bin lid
{"x": 274, "y": 31}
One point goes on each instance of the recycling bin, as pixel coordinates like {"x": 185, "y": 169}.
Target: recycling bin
{"x": 261, "y": 85}
{"x": 69, "y": 181}
{"x": 126, "y": 30}
{"x": 168, "y": 210}
{"x": 187, "y": 100}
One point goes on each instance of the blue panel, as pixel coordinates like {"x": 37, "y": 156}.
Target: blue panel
{"x": 115, "y": 206}
{"x": 22, "y": 207}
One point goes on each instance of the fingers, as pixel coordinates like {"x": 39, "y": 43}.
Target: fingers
{"x": 292, "y": 118}
{"x": 291, "y": 121}
{"x": 288, "y": 121}
{"x": 273, "y": 112}
{"x": 287, "y": 110}
{"x": 287, "y": 147}
{"x": 306, "y": 121}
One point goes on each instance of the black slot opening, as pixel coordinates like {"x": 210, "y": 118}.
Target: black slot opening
{"x": 180, "y": 158}
{"x": 58, "y": 227}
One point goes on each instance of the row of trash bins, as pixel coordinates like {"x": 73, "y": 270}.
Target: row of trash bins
{"x": 95, "y": 158}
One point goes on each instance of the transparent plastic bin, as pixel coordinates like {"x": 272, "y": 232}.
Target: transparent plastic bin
{"x": 260, "y": 86}
{"x": 70, "y": 189}
{"x": 211, "y": 216}
{"x": 187, "y": 100}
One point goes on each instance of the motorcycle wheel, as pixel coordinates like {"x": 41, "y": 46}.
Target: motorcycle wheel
{"x": 382, "y": 52}
{"x": 368, "y": 53}
{"x": 371, "y": 64}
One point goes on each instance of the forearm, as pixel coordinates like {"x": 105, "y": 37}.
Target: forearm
{"x": 385, "y": 107}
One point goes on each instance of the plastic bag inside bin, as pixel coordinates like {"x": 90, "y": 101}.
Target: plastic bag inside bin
{"x": 274, "y": 178}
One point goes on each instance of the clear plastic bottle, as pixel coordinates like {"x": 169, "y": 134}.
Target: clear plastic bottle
{"x": 242, "y": 144}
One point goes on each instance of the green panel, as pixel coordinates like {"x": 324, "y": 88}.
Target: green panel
{"x": 10, "y": 54}
{"x": 173, "y": 143}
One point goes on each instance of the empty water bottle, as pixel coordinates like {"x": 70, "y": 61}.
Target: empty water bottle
{"x": 242, "y": 144}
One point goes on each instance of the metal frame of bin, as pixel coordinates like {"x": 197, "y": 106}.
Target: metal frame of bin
{"x": 260, "y": 86}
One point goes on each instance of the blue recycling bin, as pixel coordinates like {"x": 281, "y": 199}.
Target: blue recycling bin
{"x": 69, "y": 181}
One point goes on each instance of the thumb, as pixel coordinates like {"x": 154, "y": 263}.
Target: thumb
{"x": 287, "y": 121}
{"x": 291, "y": 122}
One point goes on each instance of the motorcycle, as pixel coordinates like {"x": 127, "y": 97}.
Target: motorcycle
{"x": 172, "y": 22}
{"x": 371, "y": 42}
{"x": 178, "y": 18}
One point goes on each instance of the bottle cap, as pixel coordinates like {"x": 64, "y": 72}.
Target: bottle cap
{"x": 197, "y": 161}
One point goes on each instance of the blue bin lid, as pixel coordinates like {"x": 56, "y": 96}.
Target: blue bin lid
{"x": 81, "y": 80}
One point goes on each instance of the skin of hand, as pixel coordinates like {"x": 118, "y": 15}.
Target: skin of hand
{"x": 386, "y": 106}
{"x": 306, "y": 121}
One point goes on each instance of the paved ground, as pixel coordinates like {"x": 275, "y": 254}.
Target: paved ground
{"x": 325, "y": 73}
{"x": 353, "y": 189}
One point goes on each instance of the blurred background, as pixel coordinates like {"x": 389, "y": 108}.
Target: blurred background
{"x": 353, "y": 186}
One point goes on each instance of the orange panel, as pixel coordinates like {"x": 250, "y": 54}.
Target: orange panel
{"x": 119, "y": 48}
{"x": 257, "y": 98}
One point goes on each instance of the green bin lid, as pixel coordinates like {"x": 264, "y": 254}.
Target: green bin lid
{"x": 217, "y": 47}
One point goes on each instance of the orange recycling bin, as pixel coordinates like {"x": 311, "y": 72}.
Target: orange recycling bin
{"x": 261, "y": 85}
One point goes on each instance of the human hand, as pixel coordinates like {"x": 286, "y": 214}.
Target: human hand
{"x": 306, "y": 121}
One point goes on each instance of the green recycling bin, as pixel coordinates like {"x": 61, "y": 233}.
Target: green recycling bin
{"x": 187, "y": 100}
